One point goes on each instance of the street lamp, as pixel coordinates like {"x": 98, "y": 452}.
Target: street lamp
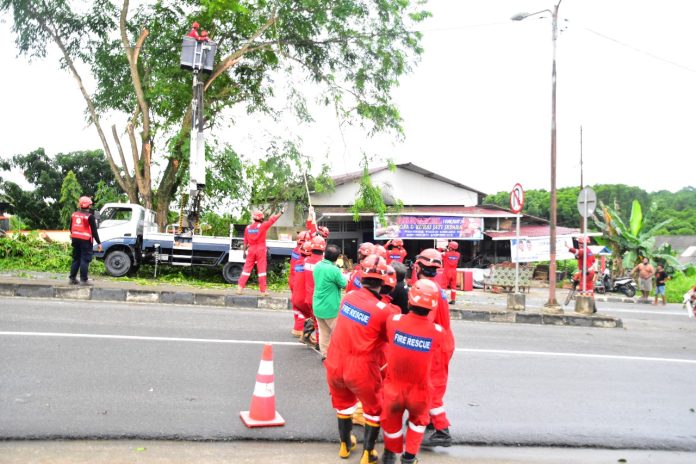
{"x": 552, "y": 303}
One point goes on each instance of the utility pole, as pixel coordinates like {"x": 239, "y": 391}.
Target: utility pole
{"x": 582, "y": 182}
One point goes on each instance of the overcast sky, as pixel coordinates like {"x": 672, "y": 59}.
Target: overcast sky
{"x": 477, "y": 108}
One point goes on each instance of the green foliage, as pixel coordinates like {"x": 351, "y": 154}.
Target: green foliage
{"x": 17, "y": 223}
{"x": 106, "y": 194}
{"x": 370, "y": 198}
{"x": 29, "y": 252}
{"x": 37, "y": 207}
{"x": 679, "y": 284}
{"x": 70, "y": 193}
{"x": 658, "y": 206}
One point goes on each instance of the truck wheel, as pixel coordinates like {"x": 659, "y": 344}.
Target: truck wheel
{"x": 118, "y": 263}
{"x": 231, "y": 272}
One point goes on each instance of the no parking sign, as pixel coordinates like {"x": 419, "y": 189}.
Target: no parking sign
{"x": 517, "y": 198}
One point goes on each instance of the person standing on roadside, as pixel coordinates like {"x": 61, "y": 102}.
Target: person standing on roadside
{"x": 328, "y": 282}
{"x": 83, "y": 231}
{"x": 645, "y": 274}
{"x": 660, "y": 278}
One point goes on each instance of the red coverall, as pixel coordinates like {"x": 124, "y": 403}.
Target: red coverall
{"x": 450, "y": 259}
{"x": 299, "y": 302}
{"x": 439, "y": 372}
{"x": 590, "y": 275}
{"x": 255, "y": 245}
{"x": 396, "y": 254}
{"x": 413, "y": 343}
{"x": 354, "y": 282}
{"x": 356, "y": 349}
{"x": 295, "y": 259}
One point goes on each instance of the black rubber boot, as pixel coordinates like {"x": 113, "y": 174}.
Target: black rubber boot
{"x": 388, "y": 457}
{"x": 348, "y": 440}
{"x": 439, "y": 438}
{"x": 369, "y": 455}
{"x": 307, "y": 331}
{"x": 409, "y": 460}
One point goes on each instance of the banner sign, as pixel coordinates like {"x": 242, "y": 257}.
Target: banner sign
{"x": 429, "y": 227}
{"x": 538, "y": 249}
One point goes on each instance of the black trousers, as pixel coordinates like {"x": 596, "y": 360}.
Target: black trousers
{"x": 81, "y": 257}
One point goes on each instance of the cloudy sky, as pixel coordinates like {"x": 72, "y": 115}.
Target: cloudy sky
{"x": 477, "y": 108}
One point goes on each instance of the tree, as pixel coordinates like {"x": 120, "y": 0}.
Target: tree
{"x": 70, "y": 193}
{"x": 630, "y": 244}
{"x": 46, "y": 174}
{"x": 371, "y": 197}
{"x": 352, "y": 52}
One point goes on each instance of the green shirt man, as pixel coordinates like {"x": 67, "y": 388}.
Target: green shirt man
{"x": 328, "y": 282}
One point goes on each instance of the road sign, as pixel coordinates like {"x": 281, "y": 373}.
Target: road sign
{"x": 517, "y": 198}
{"x": 587, "y": 202}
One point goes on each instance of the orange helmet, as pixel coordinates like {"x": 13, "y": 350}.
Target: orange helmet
{"x": 453, "y": 246}
{"x": 318, "y": 243}
{"x": 424, "y": 294}
{"x": 257, "y": 215}
{"x": 429, "y": 257}
{"x": 303, "y": 236}
{"x": 374, "y": 267}
{"x": 390, "y": 277}
{"x": 323, "y": 231}
{"x": 84, "y": 202}
{"x": 365, "y": 249}
{"x": 584, "y": 239}
{"x": 380, "y": 251}
{"x": 306, "y": 249}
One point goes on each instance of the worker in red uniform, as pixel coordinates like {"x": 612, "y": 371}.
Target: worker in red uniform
{"x": 429, "y": 262}
{"x": 364, "y": 250}
{"x": 83, "y": 231}
{"x": 314, "y": 228}
{"x": 395, "y": 250}
{"x": 353, "y": 361}
{"x": 579, "y": 253}
{"x": 295, "y": 259}
{"x": 413, "y": 341}
{"x": 299, "y": 301}
{"x": 255, "y": 249}
{"x": 318, "y": 245}
{"x": 450, "y": 261}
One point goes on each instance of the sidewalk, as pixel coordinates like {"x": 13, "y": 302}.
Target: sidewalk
{"x": 471, "y": 306}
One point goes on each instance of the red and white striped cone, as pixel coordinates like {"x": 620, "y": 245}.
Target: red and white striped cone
{"x": 262, "y": 412}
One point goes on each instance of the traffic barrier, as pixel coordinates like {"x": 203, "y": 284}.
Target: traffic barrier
{"x": 262, "y": 412}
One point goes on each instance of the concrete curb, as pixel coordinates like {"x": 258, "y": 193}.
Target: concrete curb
{"x": 226, "y": 300}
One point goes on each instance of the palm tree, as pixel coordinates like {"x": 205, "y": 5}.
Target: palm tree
{"x": 629, "y": 245}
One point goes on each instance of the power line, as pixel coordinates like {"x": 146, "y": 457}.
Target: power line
{"x": 636, "y": 49}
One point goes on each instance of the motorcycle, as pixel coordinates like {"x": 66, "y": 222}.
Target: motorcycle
{"x": 624, "y": 285}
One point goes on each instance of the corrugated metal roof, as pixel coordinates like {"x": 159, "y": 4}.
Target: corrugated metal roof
{"x": 474, "y": 211}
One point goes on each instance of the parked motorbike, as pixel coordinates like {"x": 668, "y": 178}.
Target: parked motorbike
{"x": 624, "y": 285}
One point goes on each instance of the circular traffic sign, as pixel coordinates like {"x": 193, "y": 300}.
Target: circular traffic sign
{"x": 517, "y": 199}
{"x": 587, "y": 202}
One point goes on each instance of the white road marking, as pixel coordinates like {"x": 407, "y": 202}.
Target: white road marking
{"x": 263, "y": 342}
{"x": 577, "y": 355}
{"x": 153, "y": 339}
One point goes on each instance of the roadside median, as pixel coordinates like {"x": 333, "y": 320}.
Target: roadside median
{"x": 115, "y": 291}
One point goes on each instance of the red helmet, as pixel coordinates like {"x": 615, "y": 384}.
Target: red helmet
{"x": 584, "y": 239}
{"x": 303, "y": 236}
{"x": 429, "y": 257}
{"x": 323, "y": 231}
{"x": 453, "y": 246}
{"x": 380, "y": 251}
{"x": 390, "y": 278}
{"x": 365, "y": 249}
{"x": 374, "y": 267}
{"x": 306, "y": 249}
{"x": 195, "y": 25}
{"x": 397, "y": 242}
{"x": 84, "y": 202}
{"x": 424, "y": 294}
{"x": 257, "y": 215}
{"x": 318, "y": 243}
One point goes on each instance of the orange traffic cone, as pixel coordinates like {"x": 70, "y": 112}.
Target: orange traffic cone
{"x": 262, "y": 411}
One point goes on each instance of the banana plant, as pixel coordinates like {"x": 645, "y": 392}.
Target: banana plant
{"x": 630, "y": 244}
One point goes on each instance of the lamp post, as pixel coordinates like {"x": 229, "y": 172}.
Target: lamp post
{"x": 551, "y": 303}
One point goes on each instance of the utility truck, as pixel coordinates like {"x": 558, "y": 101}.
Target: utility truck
{"x": 130, "y": 238}
{"x": 128, "y": 232}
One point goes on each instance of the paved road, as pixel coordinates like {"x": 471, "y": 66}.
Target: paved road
{"x": 76, "y": 369}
